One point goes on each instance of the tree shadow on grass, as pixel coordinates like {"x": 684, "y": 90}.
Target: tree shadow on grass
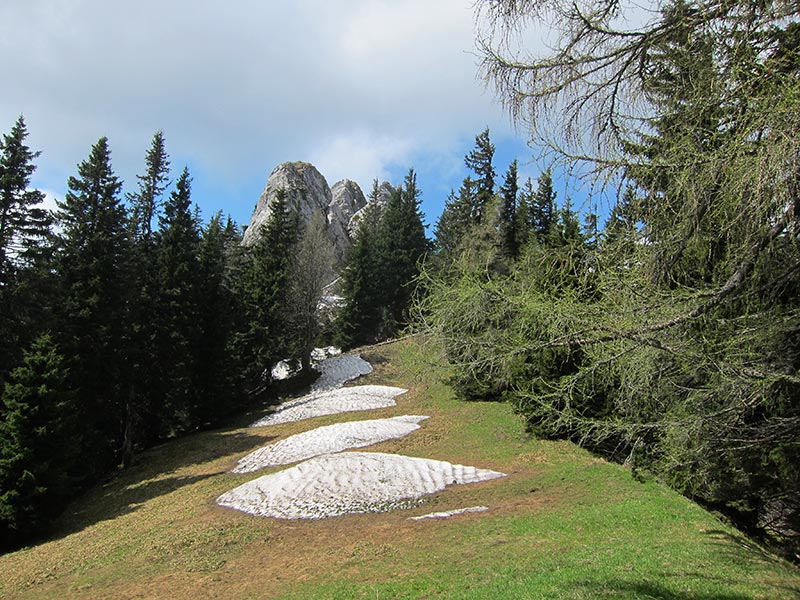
{"x": 655, "y": 591}
{"x": 155, "y": 473}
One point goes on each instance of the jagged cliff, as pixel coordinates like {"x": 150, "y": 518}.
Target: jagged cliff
{"x": 308, "y": 192}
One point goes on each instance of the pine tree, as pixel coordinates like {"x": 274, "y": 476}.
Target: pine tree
{"x": 216, "y": 392}
{"x": 362, "y": 316}
{"x": 92, "y": 260}
{"x": 178, "y": 332}
{"x": 262, "y": 338}
{"x": 454, "y": 222}
{"x": 509, "y": 244}
{"x": 39, "y": 443}
{"x": 25, "y": 247}
{"x": 543, "y": 211}
{"x": 402, "y": 245}
{"x": 480, "y": 161}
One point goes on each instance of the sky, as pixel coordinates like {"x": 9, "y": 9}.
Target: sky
{"x": 362, "y": 89}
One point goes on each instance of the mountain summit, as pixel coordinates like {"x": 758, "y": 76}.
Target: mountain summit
{"x": 308, "y": 192}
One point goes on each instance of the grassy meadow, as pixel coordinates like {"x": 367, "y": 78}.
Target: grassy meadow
{"x": 562, "y": 524}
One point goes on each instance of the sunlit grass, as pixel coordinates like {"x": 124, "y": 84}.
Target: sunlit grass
{"x": 562, "y": 524}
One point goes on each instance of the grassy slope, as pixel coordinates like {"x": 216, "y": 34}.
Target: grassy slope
{"x": 563, "y": 524}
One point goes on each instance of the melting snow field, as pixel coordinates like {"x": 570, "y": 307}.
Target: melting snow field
{"x": 360, "y": 397}
{"x": 328, "y": 439}
{"x": 350, "y": 482}
{"x": 330, "y": 482}
{"x": 338, "y": 370}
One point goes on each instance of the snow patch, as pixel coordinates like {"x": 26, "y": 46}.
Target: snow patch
{"x": 360, "y": 397}
{"x": 338, "y": 370}
{"x": 327, "y": 440}
{"x": 450, "y": 513}
{"x": 351, "y": 482}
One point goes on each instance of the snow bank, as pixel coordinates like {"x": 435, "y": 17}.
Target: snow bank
{"x": 360, "y": 397}
{"x": 327, "y": 440}
{"x": 350, "y": 482}
{"x": 337, "y": 370}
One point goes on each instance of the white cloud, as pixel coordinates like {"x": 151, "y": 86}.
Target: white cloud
{"x": 361, "y": 156}
{"x": 360, "y": 86}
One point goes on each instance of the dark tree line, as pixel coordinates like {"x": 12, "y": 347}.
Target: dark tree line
{"x": 126, "y": 320}
{"x": 380, "y": 280}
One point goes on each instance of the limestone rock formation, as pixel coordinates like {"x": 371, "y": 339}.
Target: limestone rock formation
{"x": 347, "y": 200}
{"x": 308, "y": 191}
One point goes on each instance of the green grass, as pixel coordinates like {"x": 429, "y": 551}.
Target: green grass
{"x": 563, "y": 524}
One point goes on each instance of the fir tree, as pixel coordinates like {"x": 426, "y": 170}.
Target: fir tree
{"x": 24, "y": 248}
{"x": 92, "y": 261}
{"x": 39, "y": 444}
{"x": 402, "y": 245}
{"x": 360, "y": 319}
{"x": 480, "y": 161}
{"x": 509, "y": 244}
{"x": 178, "y": 331}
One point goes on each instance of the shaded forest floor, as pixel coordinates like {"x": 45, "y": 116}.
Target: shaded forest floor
{"x": 563, "y": 524}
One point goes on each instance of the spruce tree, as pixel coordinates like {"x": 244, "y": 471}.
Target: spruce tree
{"x": 216, "y": 393}
{"x": 543, "y": 211}
{"x": 25, "y": 245}
{"x": 311, "y": 269}
{"x": 178, "y": 331}
{"x": 263, "y": 284}
{"x": 402, "y": 245}
{"x": 360, "y": 320}
{"x": 523, "y": 223}
{"x": 145, "y": 388}
{"x": 39, "y": 444}
{"x": 454, "y": 222}
{"x": 509, "y": 244}
{"x": 92, "y": 260}
{"x": 479, "y": 160}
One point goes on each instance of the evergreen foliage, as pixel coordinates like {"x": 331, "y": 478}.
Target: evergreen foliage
{"x": 666, "y": 346}
{"x": 509, "y": 243}
{"x": 25, "y": 248}
{"x": 39, "y": 439}
{"x": 360, "y": 319}
{"x": 262, "y": 286}
{"x": 479, "y": 160}
{"x": 92, "y": 261}
{"x": 402, "y": 245}
{"x": 311, "y": 269}
{"x": 454, "y": 222}
{"x": 178, "y": 330}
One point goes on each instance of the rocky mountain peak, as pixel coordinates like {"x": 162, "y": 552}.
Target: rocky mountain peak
{"x": 308, "y": 191}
